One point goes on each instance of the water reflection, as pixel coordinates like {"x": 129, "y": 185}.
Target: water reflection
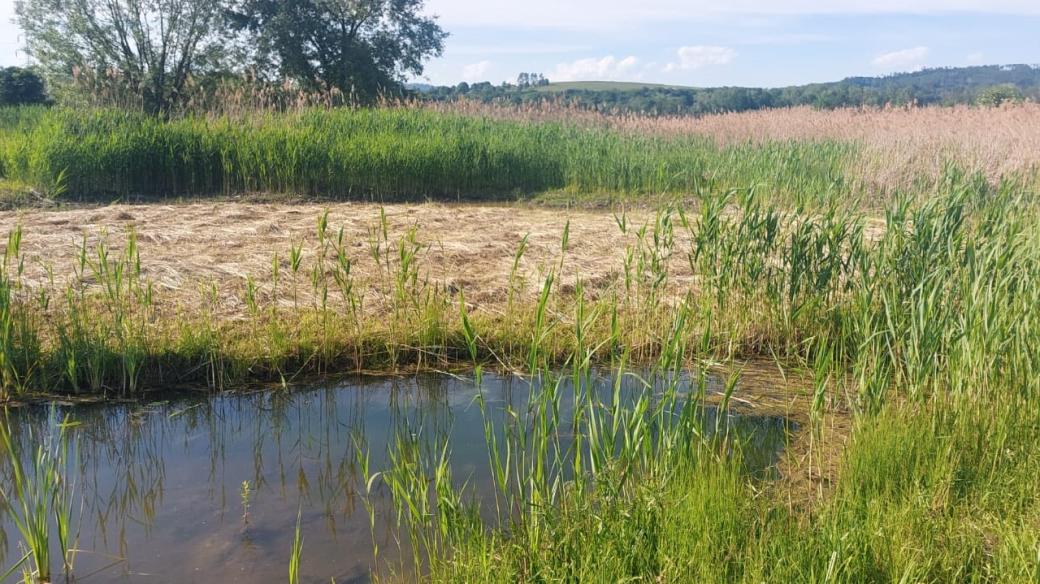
{"x": 207, "y": 488}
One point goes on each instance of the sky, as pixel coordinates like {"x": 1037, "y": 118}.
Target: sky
{"x": 762, "y": 43}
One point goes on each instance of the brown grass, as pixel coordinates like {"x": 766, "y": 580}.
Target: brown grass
{"x": 996, "y": 141}
{"x": 901, "y": 144}
{"x": 186, "y": 247}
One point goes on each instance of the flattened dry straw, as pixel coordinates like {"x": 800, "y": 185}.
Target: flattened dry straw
{"x": 185, "y": 248}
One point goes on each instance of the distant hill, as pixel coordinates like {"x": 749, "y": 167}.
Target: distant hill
{"x": 602, "y": 86}
{"x": 939, "y": 86}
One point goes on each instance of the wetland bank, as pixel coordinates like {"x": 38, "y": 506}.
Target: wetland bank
{"x": 210, "y": 487}
{"x": 572, "y": 396}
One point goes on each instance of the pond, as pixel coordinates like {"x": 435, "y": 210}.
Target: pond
{"x": 209, "y": 487}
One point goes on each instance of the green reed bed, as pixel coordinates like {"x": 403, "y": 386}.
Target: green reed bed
{"x": 799, "y": 287}
{"x": 924, "y": 333}
{"x": 388, "y": 154}
{"x": 924, "y": 330}
{"x": 40, "y": 499}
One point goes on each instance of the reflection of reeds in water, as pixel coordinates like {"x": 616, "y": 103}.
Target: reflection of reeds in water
{"x": 546, "y": 464}
{"x": 40, "y": 497}
{"x": 924, "y": 328}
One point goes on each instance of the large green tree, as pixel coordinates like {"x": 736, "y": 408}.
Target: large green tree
{"x": 362, "y": 47}
{"x": 20, "y": 86}
{"x": 149, "y": 48}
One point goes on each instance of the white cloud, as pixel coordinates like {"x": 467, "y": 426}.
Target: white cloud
{"x": 605, "y": 69}
{"x": 976, "y": 58}
{"x": 476, "y": 71}
{"x": 701, "y": 56}
{"x": 904, "y": 60}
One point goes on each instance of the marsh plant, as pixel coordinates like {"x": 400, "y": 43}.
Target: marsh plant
{"x": 418, "y": 153}
{"x": 916, "y": 329}
{"x": 934, "y": 312}
{"x": 39, "y": 494}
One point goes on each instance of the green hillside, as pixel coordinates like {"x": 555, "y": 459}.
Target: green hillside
{"x": 602, "y": 86}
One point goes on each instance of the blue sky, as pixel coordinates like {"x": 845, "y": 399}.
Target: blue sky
{"x": 711, "y": 42}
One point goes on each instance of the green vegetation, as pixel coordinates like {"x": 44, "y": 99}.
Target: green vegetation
{"x": 297, "y": 552}
{"x": 158, "y": 56}
{"x": 20, "y": 86}
{"x": 390, "y": 154}
{"x": 944, "y": 86}
{"x": 924, "y": 333}
{"x": 364, "y": 48}
{"x": 922, "y": 330}
{"x": 998, "y": 95}
{"x": 907, "y": 301}
{"x": 40, "y": 499}
{"x": 602, "y": 86}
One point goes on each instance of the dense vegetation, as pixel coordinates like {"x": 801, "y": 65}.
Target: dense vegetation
{"x": 917, "y": 332}
{"x": 907, "y": 305}
{"x": 945, "y": 86}
{"x": 385, "y": 154}
{"x": 923, "y": 332}
{"x": 20, "y": 86}
{"x": 152, "y": 55}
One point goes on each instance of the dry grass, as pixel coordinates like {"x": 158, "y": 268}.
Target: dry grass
{"x": 187, "y": 247}
{"x": 900, "y": 144}
{"x": 899, "y": 141}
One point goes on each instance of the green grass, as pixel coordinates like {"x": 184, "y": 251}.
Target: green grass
{"x": 40, "y": 498}
{"x": 389, "y": 154}
{"x": 414, "y": 154}
{"x": 925, "y": 331}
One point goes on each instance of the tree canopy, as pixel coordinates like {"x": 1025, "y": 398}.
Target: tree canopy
{"x": 148, "y": 52}
{"x": 983, "y": 85}
{"x": 20, "y": 86}
{"x": 150, "y": 48}
{"x": 997, "y": 95}
{"x": 362, "y": 47}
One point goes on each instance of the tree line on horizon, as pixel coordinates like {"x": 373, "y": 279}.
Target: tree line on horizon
{"x": 982, "y": 85}
{"x": 163, "y": 55}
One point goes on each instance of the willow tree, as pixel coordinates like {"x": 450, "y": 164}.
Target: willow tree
{"x": 149, "y": 48}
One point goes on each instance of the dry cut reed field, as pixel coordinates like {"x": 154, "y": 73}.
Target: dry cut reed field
{"x": 185, "y": 248}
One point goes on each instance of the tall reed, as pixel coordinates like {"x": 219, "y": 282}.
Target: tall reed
{"x": 40, "y": 496}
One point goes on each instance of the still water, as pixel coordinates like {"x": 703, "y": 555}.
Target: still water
{"x": 208, "y": 488}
